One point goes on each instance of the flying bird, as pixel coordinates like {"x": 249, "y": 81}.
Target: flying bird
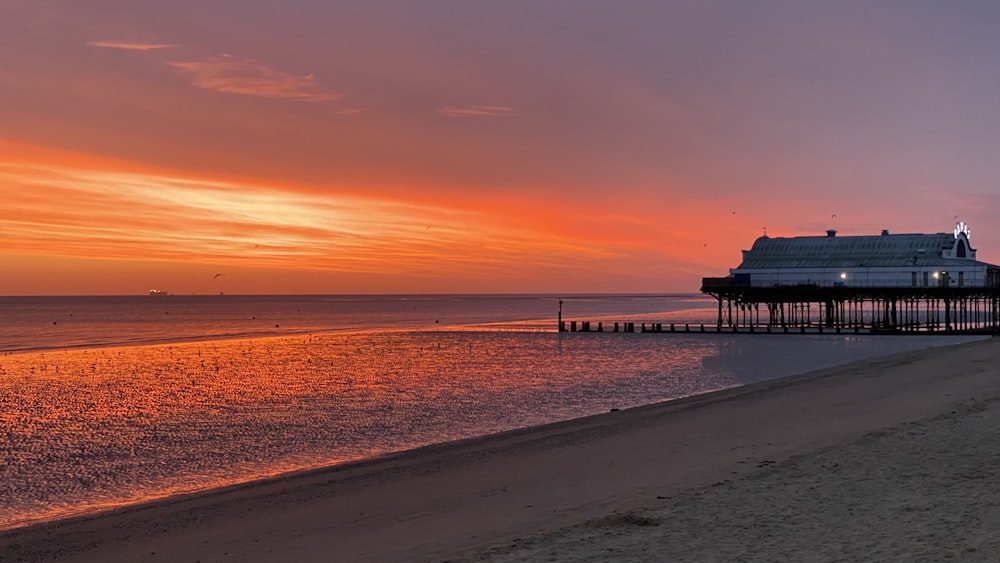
{"x": 217, "y": 275}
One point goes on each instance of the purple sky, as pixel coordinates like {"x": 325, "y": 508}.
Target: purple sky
{"x": 559, "y": 146}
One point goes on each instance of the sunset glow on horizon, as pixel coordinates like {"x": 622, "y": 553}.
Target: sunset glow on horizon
{"x": 471, "y": 147}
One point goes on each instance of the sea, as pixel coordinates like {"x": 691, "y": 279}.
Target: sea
{"x": 111, "y": 401}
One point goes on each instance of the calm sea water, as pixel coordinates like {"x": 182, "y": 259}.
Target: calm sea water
{"x": 33, "y": 323}
{"x": 106, "y": 401}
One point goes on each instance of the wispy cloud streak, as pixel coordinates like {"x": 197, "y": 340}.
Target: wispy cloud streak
{"x": 129, "y": 45}
{"x": 78, "y": 212}
{"x": 478, "y": 111}
{"x": 234, "y": 75}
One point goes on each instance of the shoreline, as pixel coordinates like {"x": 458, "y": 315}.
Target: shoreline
{"x": 528, "y": 326}
{"x": 205, "y": 339}
{"x": 500, "y": 326}
{"x": 446, "y": 500}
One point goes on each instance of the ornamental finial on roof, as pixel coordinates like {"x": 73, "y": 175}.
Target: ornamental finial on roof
{"x": 962, "y": 228}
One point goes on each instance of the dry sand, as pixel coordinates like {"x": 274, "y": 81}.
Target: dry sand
{"x": 891, "y": 459}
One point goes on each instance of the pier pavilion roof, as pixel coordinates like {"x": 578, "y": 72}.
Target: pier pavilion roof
{"x": 877, "y": 251}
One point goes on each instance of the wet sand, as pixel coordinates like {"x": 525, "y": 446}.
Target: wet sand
{"x": 889, "y": 459}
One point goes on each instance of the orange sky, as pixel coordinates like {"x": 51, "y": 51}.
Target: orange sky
{"x": 553, "y": 146}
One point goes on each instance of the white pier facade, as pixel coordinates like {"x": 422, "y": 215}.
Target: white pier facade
{"x": 885, "y": 260}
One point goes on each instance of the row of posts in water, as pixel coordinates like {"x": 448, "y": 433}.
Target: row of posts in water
{"x": 630, "y": 327}
{"x": 585, "y": 326}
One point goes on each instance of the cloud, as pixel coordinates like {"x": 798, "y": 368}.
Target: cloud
{"x": 248, "y": 77}
{"x": 478, "y": 111}
{"x": 82, "y": 212}
{"x": 129, "y": 46}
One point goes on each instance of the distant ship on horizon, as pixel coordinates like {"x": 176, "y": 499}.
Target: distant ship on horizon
{"x": 158, "y": 292}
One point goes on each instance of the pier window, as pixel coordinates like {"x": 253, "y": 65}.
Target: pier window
{"x": 925, "y": 279}
{"x": 913, "y": 279}
{"x": 961, "y": 279}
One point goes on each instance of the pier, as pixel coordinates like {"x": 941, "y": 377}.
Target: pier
{"x": 874, "y": 284}
{"x": 880, "y": 284}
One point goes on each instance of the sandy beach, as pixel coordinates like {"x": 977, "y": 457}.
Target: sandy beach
{"x": 890, "y": 459}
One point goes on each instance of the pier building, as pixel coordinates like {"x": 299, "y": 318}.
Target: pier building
{"x": 877, "y": 283}
{"x": 884, "y": 260}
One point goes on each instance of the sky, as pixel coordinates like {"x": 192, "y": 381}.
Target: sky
{"x": 478, "y": 146}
